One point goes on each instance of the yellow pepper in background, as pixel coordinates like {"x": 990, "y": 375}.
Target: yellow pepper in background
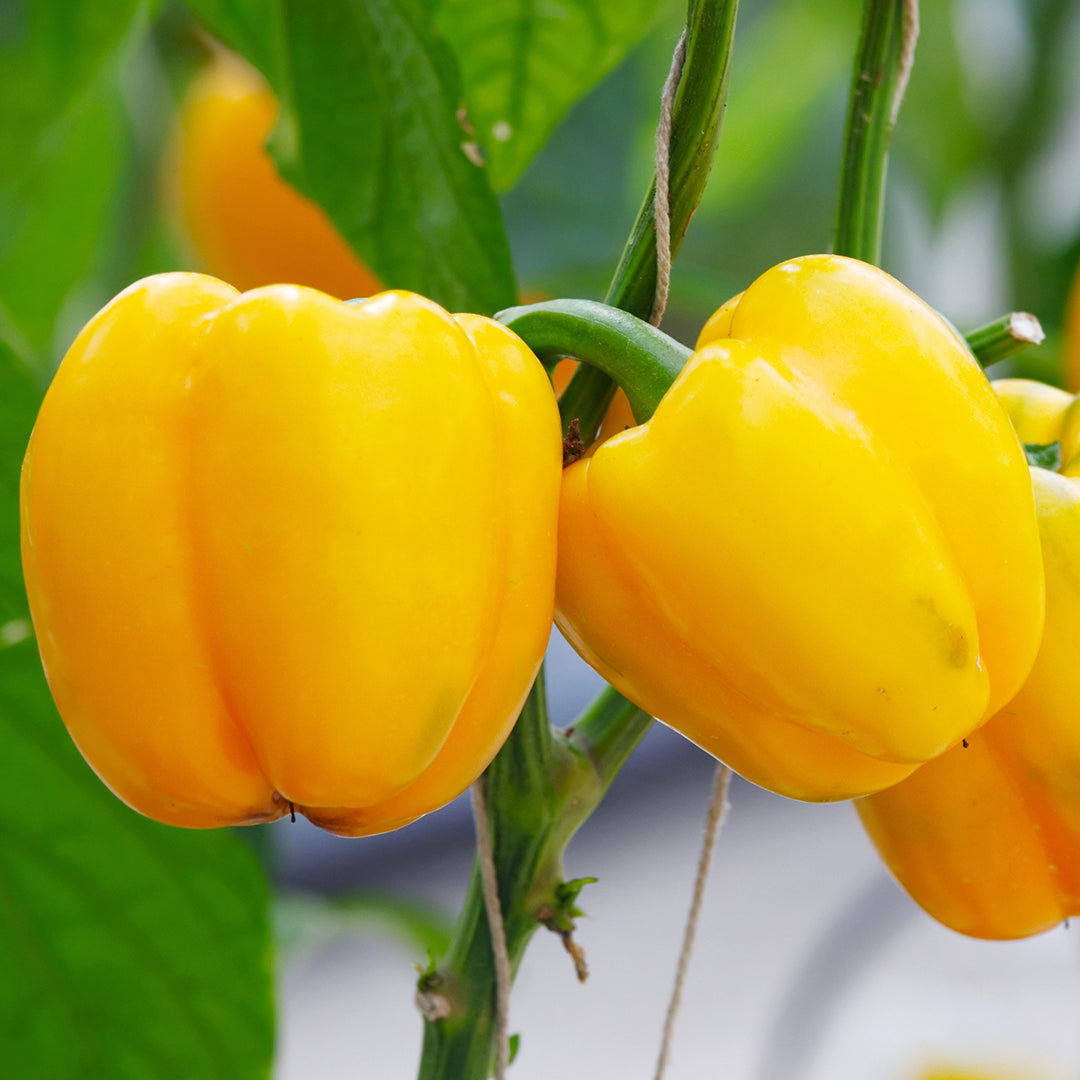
{"x": 987, "y": 837}
{"x": 819, "y": 560}
{"x": 281, "y": 549}
{"x": 245, "y": 223}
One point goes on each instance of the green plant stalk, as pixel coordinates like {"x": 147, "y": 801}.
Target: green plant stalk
{"x": 643, "y": 360}
{"x": 695, "y": 127}
{"x": 869, "y": 127}
{"x": 1005, "y": 337}
{"x": 542, "y": 785}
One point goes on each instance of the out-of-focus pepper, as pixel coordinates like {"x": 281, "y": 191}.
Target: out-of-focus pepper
{"x": 281, "y": 549}
{"x": 819, "y": 560}
{"x": 245, "y": 223}
{"x": 987, "y": 837}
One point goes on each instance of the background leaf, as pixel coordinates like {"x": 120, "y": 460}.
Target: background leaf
{"x": 54, "y": 219}
{"x": 129, "y": 950}
{"x": 525, "y": 63}
{"x": 791, "y": 62}
{"x": 51, "y": 53}
{"x": 369, "y": 129}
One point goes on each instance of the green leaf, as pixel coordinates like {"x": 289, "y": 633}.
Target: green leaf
{"x": 54, "y": 220}
{"x": 19, "y": 400}
{"x": 131, "y": 951}
{"x": 369, "y": 129}
{"x": 791, "y": 62}
{"x": 308, "y": 922}
{"x": 51, "y": 52}
{"x": 524, "y": 63}
{"x": 937, "y": 138}
{"x": 251, "y": 27}
{"x": 1044, "y": 456}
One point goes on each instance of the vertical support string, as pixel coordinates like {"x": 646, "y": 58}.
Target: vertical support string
{"x": 486, "y": 858}
{"x": 662, "y": 192}
{"x": 714, "y": 820}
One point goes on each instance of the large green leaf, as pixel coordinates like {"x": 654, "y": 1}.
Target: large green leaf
{"x": 54, "y": 219}
{"x": 51, "y": 51}
{"x": 19, "y": 399}
{"x": 524, "y": 63}
{"x": 369, "y": 128}
{"x": 130, "y": 950}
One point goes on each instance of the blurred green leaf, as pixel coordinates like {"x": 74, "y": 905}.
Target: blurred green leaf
{"x": 785, "y": 67}
{"x": 524, "y": 64}
{"x": 51, "y": 53}
{"x": 569, "y": 216}
{"x": 131, "y": 951}
{"x": 369, "y": 129}
{"x": 54, "y": 220}
{"x": 19, "y": 400}
{"x": 309, "y": 922}
{"x": 1044, "y": 455}
{"x": 936, "y": 137}
{"x": 251, "y": 27}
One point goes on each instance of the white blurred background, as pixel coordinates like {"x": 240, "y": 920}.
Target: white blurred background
{"x": 811, "y": 964}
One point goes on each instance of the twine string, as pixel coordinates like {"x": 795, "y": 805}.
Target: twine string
{"x": 714, "y": 820}
{"x": 662, "y": 192}
{"x": 486, "y": 858}
{"x": 907, "y": 55}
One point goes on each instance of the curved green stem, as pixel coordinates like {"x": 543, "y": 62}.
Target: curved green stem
{"x": 695, "y": 127}
{"x": 869, "y": 127}
{"x": 643, "y": 360}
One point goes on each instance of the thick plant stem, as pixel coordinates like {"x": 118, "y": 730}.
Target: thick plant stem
{"x": 643, "y": 360}
{"x": 871, "y": 112}
{"x": 695, "y": 127}
{"x": 541, "y": 787}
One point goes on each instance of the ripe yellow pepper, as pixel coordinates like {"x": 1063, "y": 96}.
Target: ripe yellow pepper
{"x": 819, "y": 560}
{"x": 281, "y": 549}
{"x": 987, "y": 837}
{"x": 245, "y": 223}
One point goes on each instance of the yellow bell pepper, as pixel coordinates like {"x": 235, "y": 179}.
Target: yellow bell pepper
{"x": 285, "y": 550}
{"x": 245, "y": 223}
{"x": 819, "y": 560}
{"x": 987, "y": 837}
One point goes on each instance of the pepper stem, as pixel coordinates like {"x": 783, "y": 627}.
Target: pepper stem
{"x": 643, "y": 360}
{"x": 1005, "y": 337}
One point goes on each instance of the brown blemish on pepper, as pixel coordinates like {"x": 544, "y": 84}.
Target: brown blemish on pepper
{"x": 958, "y": 646}
{"x": 573, "y": 449}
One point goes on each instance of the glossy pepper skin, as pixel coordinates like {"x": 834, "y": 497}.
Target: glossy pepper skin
{"x": 244, "y": 222}
{"x": 819, "y": 560}
{"x": 281, "y": 549}
{"x": 987, "y": 837}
